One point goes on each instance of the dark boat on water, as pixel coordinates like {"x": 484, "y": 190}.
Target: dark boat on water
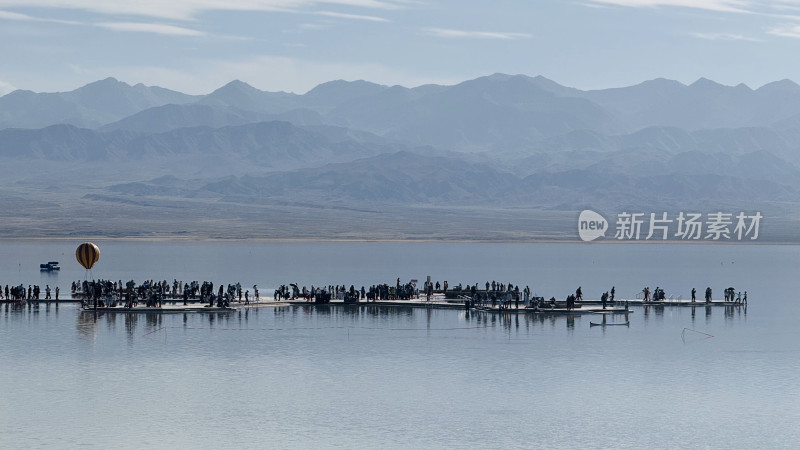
{"x": 619, "y": 324}
{"x": 49, "y": 266}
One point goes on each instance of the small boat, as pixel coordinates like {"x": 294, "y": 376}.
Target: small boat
{"x": 621, "y": 324}
{"x": 49, "y": 266}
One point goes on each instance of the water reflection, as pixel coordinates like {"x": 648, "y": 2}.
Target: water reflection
{"x": 395, "y": 316}
{"x": 653, "y": 310}
{"x": 525, "y": 321}
{"x": 87, "y": 326}
{"x": 14, "y": 309}
{"x": 135, "y": 324}
{"x": 365, "y": 316}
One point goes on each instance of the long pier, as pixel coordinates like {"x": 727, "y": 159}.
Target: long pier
{"x": 441, "y": 303}
{"x": 439, "y": 300}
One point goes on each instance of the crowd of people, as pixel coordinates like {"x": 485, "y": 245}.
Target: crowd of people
{"x": 323, "y": 294}
{"x": 32, "y": 293}
{"x": 731, "y": 295}
{"x": 152, "y": 293}
{"x": 496, "y": 293}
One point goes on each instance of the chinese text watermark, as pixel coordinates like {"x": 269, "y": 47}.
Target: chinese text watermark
{"x": 714, "y": 226}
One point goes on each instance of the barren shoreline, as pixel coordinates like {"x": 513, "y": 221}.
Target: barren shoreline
{"x": 201, "y": 239}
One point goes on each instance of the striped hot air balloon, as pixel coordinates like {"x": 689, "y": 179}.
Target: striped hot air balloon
{"x": 87, "y": 254}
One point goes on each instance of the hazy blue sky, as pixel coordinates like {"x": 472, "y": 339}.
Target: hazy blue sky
{"x": 196, "y": 46}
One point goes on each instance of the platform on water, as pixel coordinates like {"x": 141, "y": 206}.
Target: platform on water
{"x": 672, "y": 302}
{"x": 444, "y": 304}
{"x": 583, "y": 309}
{"x": 164, "y": 309}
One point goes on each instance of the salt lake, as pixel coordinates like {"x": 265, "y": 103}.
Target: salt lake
{"x": 401, "y": 377}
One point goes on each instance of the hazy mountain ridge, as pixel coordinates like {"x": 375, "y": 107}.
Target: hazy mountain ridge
{"x": 500, "y": 143}
{"x": 508, "y": 110}
{"x": 268, "y": 145}
{"x": 408, "y": 178}
{"x": 90, "y": 106}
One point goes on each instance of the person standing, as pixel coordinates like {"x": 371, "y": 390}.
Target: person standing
{"x": 694, "y": 292}
{"x": 613, "y": 290}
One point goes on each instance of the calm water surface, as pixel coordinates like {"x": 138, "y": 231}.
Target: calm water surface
{"x": 367, "y": 377}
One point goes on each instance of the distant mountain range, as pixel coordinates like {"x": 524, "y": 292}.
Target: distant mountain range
{"x": 91, "y": 106}
{"x": 523, "y": 105}
{"x": 507, "y": 141}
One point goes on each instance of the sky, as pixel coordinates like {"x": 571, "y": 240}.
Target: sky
{"x": 196, "y": 46}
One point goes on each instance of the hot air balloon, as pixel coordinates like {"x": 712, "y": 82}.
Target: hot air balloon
{"x": 87, "y": 254}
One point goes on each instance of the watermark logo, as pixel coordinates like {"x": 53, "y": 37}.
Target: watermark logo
{"x": 690, "y": 226}
{"x": 591, "y": 225}
{"x": 694, "y": 226}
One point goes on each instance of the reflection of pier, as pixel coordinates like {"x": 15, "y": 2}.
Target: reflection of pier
{"x": 504, "y": 308}
{"x": 148, "y": 324}
{"x": 164, "y": 309}
{"x": 667, "y": 302}
{"x": 33, "y": 300}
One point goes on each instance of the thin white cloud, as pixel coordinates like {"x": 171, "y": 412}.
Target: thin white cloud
{"x": 5, "y": 88}
{"x": 724, "y": 37}
{"x": 785, "y": 30}
{"x": 76, "y": 68}
{"x": 8, "y": 15}
{"x": 739, "y": 6}
{"x": 189, "y": 9}
{"x": 164, "y": 29}
{"x": 157, "y": 28}
{"x": 785, "y": 10}
{"x": 774, "y": 8}
{"x": 594, "y": 5}
{"x": 352, "y": 16}
{"x": 450, "y": 33}
{"x": 313, "y": 26}
{"x": 786, "y": 4}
